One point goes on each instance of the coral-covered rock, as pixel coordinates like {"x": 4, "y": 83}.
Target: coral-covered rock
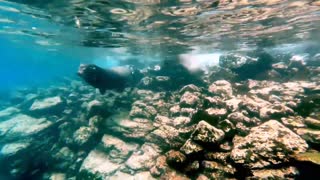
{"x": 275, "y": 111}
{"x": 293, "y": 122}
{"x": 160, "y": 168}
{"x": 166, "y": 137}
{"x": 189, "y": 100}
{"x": 175, "y": 110}
{"x": 136, "y": 128}
{"x": 181, "y": 121}
{"x": 312, "y": 122}
{"x": 97, "y": 165}
{"x": 205, "y": 133}
{"x": 266, "y": 145}
{"x": 162, "y": 120}
{"x": 141, "y": 110}
{"x": 117, "y": 149}
{"x": 222, "y": 88}
{"x": 83, "y": 135}
{"x": 191, "y": 147}
{"x": 176, "y": 159}
{"x": 216, "y": 113}
{"x": 281, "y": 173}
{"x": 212, "y": 166}
{"x": 144, "y": 158}
{"x": 310, "y": 135}
{"x": 191, "y": 88}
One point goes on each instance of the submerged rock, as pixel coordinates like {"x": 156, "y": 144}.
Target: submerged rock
{"x": 266, "y": 145}
{"x": 310, "y": 135}
{"x": 22, "y": 126}
{"x": 52, "y": 105}
{"x": 205, "y": 133}
{"x": 176, "y": 159}
{"x": 189, "y": 100}
{"x": 97, "y": 165}
{"x": 144, "y": 158}
{"x": 281, "y": 173}
{"x": 117, "y": 149}
{"x": 84, "y": 135}
{"x": 222, "y": 88}
{"x": 190, "y": 147}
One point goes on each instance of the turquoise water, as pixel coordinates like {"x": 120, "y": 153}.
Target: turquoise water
{"x": 266, "y": 50}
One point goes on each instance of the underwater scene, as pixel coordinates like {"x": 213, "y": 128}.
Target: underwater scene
{"x": 159, "y": 89}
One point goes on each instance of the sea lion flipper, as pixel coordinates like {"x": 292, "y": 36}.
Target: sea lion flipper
{"x": 102, "y": 91}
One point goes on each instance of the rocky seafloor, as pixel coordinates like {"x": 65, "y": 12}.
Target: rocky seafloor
{"x": 252, "y": 120}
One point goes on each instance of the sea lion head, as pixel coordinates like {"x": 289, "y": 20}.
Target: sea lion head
{"x": 88, "y": 72}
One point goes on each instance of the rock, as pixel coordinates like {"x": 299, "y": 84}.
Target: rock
{"x": 175, "y": 110}
{"x": 220, "y": 157}
{"x": 293, "y": 122}
{"x": 215, "y": 101}
{"x": 136, "y": 128}
{"x": 192, "y": 167}
{"x": 141, "y": 110}
{"x": 189, "y": 100}
{"x": 52, "y": 105}
{"x": 202, "y": 177}
{"x": 143, "y": 159}
{"x": 160, "y": 168}
{"x": 176, "y": 159}
{"x": 166, "y": 137}
{"x": 266, "y": 145}
{"x": 205, "y": 133}
{"x": 190, "y": 88}
{"x": 145, "y": 175}
{"x": 216, "y": 113}
{"x": 21, "y": 126}
{"x": 310, "y": 135}
{"x": 118, "y": 150}
{"x": 191, "y": 147}
{"x": 253, "y": 105}
{"x": 95, "y": 107}
{"x": 313, "y": 157}
{"x": 84, "y": 135}
{"x": 66, "y": 160}
{"x": 58, "y": 176}
{"x": 212, "y": 166}
{"x": 275, "y": 111}
{"x": 221, "y": 88}
{"x": 312, "y": 122}
{"x": 188, "y": 112}
{"x": 97, "y": 165}
{"x": 282, "y": 173}
{"x": 228, "y": 128}
{"x": 233, "y": 104}
{"x": 8, "y": 112}
{"x": 181, "y": 121}
{"x": 238, "y": 117}
{"x": 13, "y": 148}
{"x": 162, "y": 120}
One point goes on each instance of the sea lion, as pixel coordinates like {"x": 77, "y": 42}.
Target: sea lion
{"x": 113, "y": 79}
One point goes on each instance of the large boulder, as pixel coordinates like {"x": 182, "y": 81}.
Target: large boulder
{"x": 267, "y": 145}
{"x": 144, "y": 158}
{"x": 117, "y": 149}
{"x": 221, "y": 88}
{"x": 52, "y": 105}
{"x": 97, "y": 165}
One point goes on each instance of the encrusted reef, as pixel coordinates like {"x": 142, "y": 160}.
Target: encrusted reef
{"x": 232, "y": 127}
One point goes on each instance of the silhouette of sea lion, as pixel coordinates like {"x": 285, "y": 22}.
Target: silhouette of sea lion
{"x": 113, "y": 79}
